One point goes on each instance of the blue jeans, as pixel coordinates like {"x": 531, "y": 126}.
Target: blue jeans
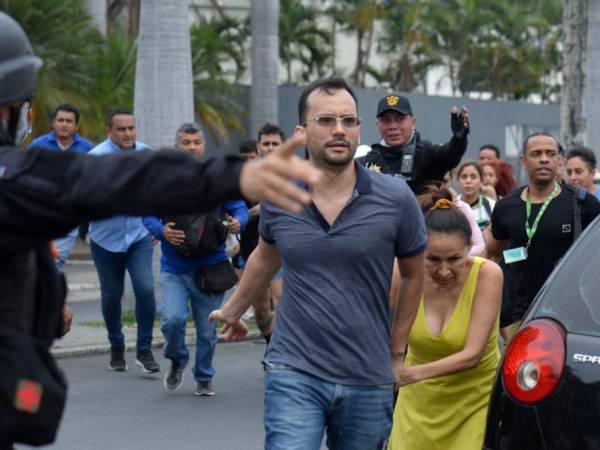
{"x": 300, "y": 408}
{"x": 111, "y": 266}
{"x": 64, "y": 245}
{"x": 178, "y": 291}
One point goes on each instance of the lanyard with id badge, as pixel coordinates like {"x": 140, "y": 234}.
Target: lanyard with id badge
{"x": 514, "y": 255}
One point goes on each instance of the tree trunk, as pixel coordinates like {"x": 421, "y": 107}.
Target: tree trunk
{"x": 592, "y": 93}
{"x": 164, "y": 96}
{"x": 359, "y": 57}
{"x": 134, "y": 19}
{"x": 572, "y": 124}
{"x": 264, "y": 98}
{"x": 97, "y": 9}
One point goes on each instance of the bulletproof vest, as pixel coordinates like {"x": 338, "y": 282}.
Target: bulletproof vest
{"x": 400, "y": 167}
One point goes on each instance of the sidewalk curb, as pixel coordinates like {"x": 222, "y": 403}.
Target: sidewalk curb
{"x": 157, "y": 342}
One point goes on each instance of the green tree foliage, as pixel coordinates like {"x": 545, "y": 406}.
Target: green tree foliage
{"x": 219, "y": 48}
{"x": 63, "y": 35}
{"x": 112, "y": 70}
{"x": 407, "y": 41}
{"x": 359, "y": 17}
{"x": 509, "y": 49}
{"x": 302, "y": 40}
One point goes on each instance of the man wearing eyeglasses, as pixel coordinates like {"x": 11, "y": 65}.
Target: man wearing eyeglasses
{"x": 332, "y": 360}
{"x": 401, "y": 151}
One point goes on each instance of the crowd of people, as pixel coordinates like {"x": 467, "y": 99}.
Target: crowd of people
{"x": 383, "y": 294}
{"x": 456, "y": 271}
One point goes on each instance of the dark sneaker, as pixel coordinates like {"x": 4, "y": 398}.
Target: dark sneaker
{"x": 174, "y": 376}
{"x": 117, "y": 359}
{"x": 147, "y": 362}
{"x": 204, "y": 388}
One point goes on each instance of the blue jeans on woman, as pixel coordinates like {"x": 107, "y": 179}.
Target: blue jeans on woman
{"x": 178, "y": 292}
{"x": 111, "y": 266}
{"x": 301, "y": 408}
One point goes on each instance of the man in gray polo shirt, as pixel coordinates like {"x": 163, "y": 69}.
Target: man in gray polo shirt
{"x": 332, "y": 360}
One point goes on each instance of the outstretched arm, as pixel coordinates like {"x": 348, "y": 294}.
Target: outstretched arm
{"x": 45, "y": 194}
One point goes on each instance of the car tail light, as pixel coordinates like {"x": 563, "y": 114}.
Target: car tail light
{"x": 534, "y": 361}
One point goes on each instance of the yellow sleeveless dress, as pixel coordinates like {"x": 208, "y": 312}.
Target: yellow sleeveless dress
{"x": 447, "y": 412}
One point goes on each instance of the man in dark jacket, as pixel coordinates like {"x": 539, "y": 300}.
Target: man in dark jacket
{"x": 45, "y": 194}
{"x": 401, "y": 151}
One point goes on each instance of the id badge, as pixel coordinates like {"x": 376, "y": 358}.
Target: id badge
{"x": 515, "y": 255}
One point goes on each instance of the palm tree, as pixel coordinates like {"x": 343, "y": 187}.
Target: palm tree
{"x": 406, "y": 40}
{"x": 264, "y": 99}
{"x": 64, "y": 36}
{"x": 302, "y": 40}
{"x": 163, "y": 88}
{"x": 219, "y": 49}
{"x": 111, "y": 82}
{"x": 359, "y": 17}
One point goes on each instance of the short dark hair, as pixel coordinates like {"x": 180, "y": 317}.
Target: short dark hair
{"x": 328, "y": 85}
{"x": 271, "y": 128}
{"x": 586, "y": 154}
{"x": 189, "y": 128}
{"x": 66, "y": 107}
{"x": 448, "y": 220}
{"x": 495, "y": 149}
{"x": 248, "y": 146}
{"x": 117, "y": 112}
{"x": 561, "y": 150}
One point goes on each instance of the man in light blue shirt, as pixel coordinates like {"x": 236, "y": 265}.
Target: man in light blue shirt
{"x": 123, "y": 243}
{"x": 64, "y": 138}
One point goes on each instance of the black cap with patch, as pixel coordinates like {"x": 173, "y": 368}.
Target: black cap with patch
{"x": 394, "y": 103}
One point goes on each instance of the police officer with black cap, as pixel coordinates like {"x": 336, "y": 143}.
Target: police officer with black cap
{"x": 401, "y": 151}
{"x": 44, "y": 194}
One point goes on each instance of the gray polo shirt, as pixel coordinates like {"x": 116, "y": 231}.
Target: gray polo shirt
{"x": 333, "y": 320}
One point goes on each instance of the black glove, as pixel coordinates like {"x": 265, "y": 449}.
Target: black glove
{"x": 459, "y": 130}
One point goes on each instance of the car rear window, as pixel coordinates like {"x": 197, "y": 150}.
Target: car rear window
{"x": 572, "y": 294}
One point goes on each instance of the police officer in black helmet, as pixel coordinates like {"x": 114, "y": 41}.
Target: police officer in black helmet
{"x": 401, "y": 151}
{"x": 44, "y": 194}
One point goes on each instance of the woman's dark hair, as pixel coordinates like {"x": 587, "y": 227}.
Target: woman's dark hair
{"x": 465, "y": 164}
{"x": 586, "y": 155}
{"x": 447, "y": 220}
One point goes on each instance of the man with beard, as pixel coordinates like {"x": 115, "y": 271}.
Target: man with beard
{"x": 534, "y": 226}
{"x": 333, "y": 357}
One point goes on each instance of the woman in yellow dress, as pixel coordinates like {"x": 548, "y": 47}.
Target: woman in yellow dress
{"x": 446, "y": 381}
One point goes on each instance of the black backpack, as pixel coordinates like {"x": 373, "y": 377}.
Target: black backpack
{"x": 205, "y": 233}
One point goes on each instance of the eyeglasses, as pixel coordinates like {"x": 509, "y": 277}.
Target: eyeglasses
{"x": 330, "y": 121}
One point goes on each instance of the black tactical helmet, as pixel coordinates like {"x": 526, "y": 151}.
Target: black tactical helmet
{"x": 18, "y": 64}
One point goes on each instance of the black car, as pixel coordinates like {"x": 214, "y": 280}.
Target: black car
{"x": 547, "y": 392}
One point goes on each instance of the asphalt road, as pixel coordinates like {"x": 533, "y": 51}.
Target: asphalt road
{"x": 109, "y": 410}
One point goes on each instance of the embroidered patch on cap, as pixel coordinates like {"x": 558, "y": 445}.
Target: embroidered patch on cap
{"x": 392, "y": 100}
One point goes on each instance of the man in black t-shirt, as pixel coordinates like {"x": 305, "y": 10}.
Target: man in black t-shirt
{"x": 531, "y": 244}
